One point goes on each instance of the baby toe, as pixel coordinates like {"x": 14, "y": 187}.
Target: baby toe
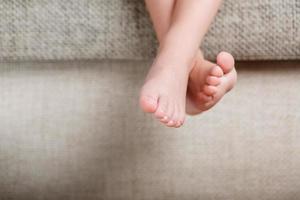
{"x": 165, "y": 112}
{"x": 180, "y": 120}
{"x": 171, "y": 123}
{"x": 213, "y": 80}
{"x": 178, "y": 117}
{"x": 165, "y": 119}
{"x": 205, "y": 98}
{"x": 148, "y": 102}
{"x": 161, "y": 112}
{"x": 174, "y": 116}
{"x": 209, "y": 90}
{"x": 178, "y": 124}
{"x": 226, "y": 61}
{"x": 216, "y": 71}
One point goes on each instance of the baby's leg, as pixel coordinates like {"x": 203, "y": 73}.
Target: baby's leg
{"x": 190, "y": 23}
{"x": 165, "y": 88}
{"x": 161, "y": 14}
{"x": 208, "y": 82}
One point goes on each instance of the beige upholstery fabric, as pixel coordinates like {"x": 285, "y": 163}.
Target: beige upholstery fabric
{"x": 96, "y": 29}
{"x": 73, "y": 131}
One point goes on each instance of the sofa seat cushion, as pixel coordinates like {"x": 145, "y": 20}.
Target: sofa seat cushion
{"x": 73, "y": 130}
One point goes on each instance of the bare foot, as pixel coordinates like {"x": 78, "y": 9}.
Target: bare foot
{"x": 209, "y": 82}
{"x": 164, "y": 93}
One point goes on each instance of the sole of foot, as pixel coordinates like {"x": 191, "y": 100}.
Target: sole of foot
{"x": 209, "y": 82}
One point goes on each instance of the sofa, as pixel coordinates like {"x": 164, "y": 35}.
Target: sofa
{"x": 70, "y": 126}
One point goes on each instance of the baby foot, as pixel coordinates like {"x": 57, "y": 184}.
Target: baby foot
{"x": 164, "y": 93}
{"x": 209, "y": 82}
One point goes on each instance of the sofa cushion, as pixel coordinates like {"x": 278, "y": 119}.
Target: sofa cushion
{"x": 73, "y": 131}
{"x": 97, "y": 29}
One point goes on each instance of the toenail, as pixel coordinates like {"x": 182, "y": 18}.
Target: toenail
{"x": 171, "y": 123}
{"x": 163, "y": 120}
{"x": 178, "y": 124}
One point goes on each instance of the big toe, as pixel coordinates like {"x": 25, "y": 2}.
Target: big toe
{"x": 148, "y": 102}
{"x": 225, "y": 61}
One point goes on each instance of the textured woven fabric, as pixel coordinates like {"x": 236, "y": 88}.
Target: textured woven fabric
{"x": 96, "y": 29}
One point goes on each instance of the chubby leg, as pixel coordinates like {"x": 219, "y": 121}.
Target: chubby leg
{"x": 161, "y": 14}
{"x": 155, "y": 92}
{"x": 190, "y": 22}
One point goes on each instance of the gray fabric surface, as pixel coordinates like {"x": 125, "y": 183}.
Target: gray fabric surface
{"x": 74, "y": 131}
{"x": 96, "y": 29}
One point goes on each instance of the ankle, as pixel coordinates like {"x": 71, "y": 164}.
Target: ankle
{"x": 173, "y": 57}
